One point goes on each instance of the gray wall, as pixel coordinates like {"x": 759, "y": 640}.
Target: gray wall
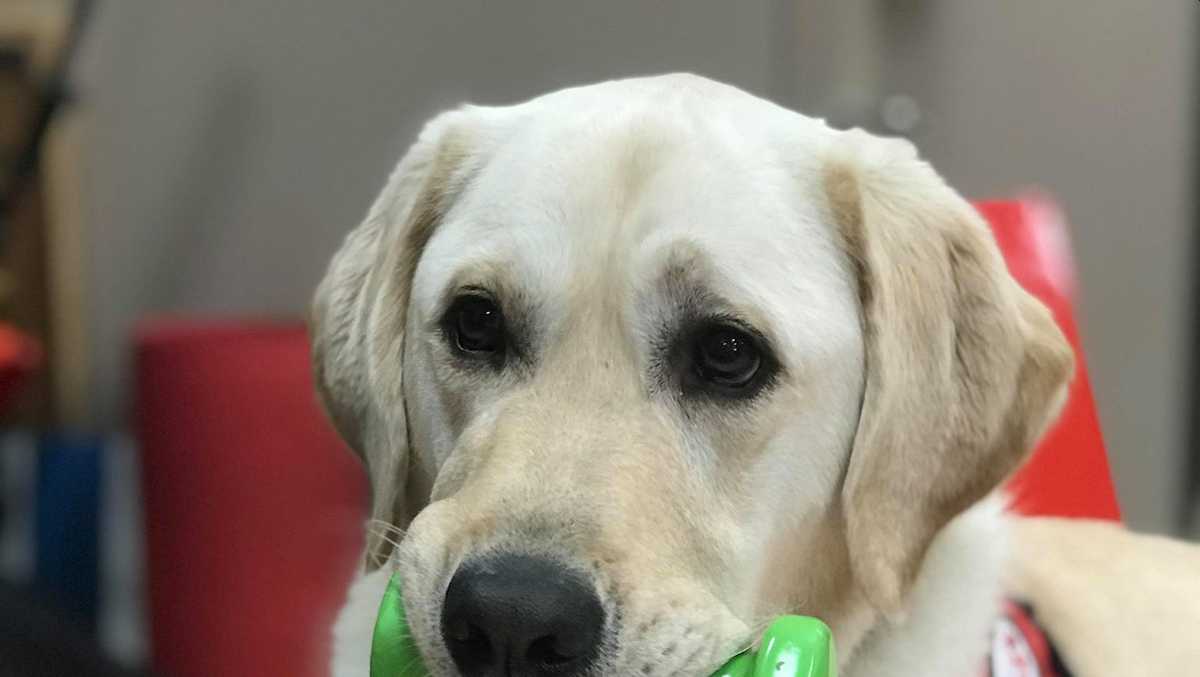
{"x": 233, "y": 143}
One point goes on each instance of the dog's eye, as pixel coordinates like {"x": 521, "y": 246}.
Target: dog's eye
{"x": 475, "y": 325}
{"x": 726, "y": 356}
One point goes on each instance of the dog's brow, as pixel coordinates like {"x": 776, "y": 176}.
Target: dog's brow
{"x": 489, "y": 276}
{"x": 688, "y": 279}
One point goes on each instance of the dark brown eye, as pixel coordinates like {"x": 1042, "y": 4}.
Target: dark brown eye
{"x": 726, "y": 356}
{"x": 475, "y": 325}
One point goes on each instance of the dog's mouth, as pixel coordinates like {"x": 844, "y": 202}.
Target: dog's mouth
{"x": 523, "y": 613}
{"x": 546, "y": 594}
{"x": 518, "y": 615}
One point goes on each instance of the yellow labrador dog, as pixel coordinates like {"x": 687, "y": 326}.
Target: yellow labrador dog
{"x": 636, "y": 366}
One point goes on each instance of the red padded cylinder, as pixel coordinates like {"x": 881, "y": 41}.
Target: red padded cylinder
{"x": 1068, "y": 474}
{"x": 253, "y": 508}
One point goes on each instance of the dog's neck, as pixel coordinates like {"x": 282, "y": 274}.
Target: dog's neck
{"x": 951, "y": 608}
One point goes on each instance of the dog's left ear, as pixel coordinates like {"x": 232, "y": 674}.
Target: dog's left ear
{"x": 965, "y": 369}
{"x": 360, "y": 310}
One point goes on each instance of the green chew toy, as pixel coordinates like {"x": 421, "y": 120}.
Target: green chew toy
{"x": 793, "y": 646}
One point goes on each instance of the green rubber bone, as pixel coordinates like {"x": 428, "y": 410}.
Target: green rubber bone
{"x": 793, "y": 646}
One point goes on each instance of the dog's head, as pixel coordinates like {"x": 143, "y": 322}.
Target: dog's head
{"x": 637, "y": 366}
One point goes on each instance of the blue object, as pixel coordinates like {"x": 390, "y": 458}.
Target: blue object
{"x": 66, "y": 522}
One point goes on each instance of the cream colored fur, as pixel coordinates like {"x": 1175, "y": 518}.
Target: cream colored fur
{"x": 1115, "y": 603}
{"x": 914, "y": 377}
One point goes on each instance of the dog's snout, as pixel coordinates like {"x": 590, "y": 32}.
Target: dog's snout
{"x": 522, "y": 616}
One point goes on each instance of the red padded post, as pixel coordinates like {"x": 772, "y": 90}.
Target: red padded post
{"x": 1068, "y": 474}
{"x": 253, "y": 507}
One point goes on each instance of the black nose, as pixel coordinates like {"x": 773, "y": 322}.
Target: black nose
{"x": 521, "y": 616}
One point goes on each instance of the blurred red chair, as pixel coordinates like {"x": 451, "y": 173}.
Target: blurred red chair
{"x": 254, "y": 509}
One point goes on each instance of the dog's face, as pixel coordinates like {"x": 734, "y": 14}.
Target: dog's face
{"x": 643, "y": 364}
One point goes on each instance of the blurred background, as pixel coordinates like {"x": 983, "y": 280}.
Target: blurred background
{"x": 178, "y": 173}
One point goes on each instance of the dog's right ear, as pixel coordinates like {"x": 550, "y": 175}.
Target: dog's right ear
{"x": 965, "y": 369}
{"x": 360, "y": 309}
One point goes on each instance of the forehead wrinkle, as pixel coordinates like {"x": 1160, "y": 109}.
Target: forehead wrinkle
{"x": 609, "y": 171}
{"x": 586, "y": 190}
{"x": 607, "y": 185}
